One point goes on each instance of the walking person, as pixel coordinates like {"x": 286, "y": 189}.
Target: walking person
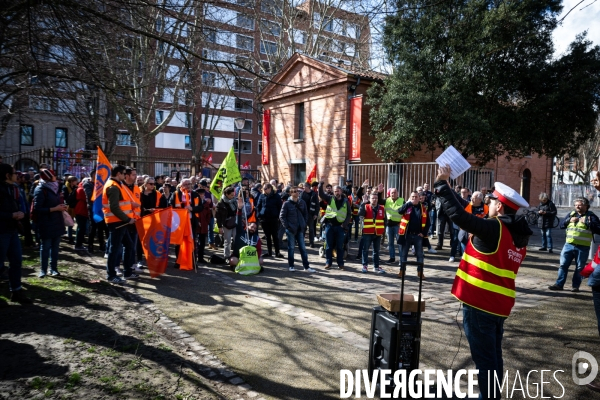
{"x": 268, "y": 209}
{"x": 312, "y": 203}
{"x": 547, "y": 213}
{"x": 48, "y": 208}
{"x": 226, "y": 219}
{"x": 293, "y": 217}
{"x": 337, "y": 216}
{"x": 413, "y": 228}
{"x": 118, "y": 211}
{"x": 10, "y": 244}
{"x": 581, "y": 225}
{"x": 373, "y": 218}
{"x": 498, "y": 244}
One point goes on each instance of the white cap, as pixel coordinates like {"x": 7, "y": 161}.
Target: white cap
{"x": 508, "y": 196}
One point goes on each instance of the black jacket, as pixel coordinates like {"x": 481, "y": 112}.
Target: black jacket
{"x": 414, "y": 223}
{"x": 486, "y": 232}
{"x": 268, "y": 206}
{"x": 293, "y": 215}
{"x": 8, "y": 206}
{"x": 546, "y": 221}
{"x": 312, "y": 202}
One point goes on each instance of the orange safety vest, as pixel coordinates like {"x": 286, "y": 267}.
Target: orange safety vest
{"x": 252, "y": 217}
{"x": 136, "y": 196}
{"x": 178, "y": 201}
{"x": 124, "y": 203}
{"x": 158, "y": 197}
{"x": 486, "y": 281}
{"x": 469, "y": 209}
{"x": 406, "y": 218}
{"x": 355, "y": 204}
{"x": 373, "y": 225}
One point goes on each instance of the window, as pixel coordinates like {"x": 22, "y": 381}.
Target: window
{"x": 244, "y": 42}
{"x": 26, "y": 135}
{"x": 131, "y": 117}
{"x": 159, "y": 117}
{"x": 245, "y": 3}
{"x": 242, "y": 62}
{"x": 60, "y": 137}
{"x": 299, "y": 172}
{"x": 243, "y": 84}
{"x": 243, "y": 105}
{"x": 209, "y": 79}
{"x": 270, "y": 27}
{"x": 65, "y": 105}
{"x": 208, "y": 143}
{"x": 300, "y": 121}
{"x": 188, "y": 120}
{"x": 259, "y": 147}
{"x": 123, "y": 138}
{"x": 328, "y": 24}
{"x": 211, "y": 35}
{"x": 268, "y": 47}
{"x": 247, "y": 126}
{"x": 188, "y": 144}
{"x": 273, "y": 7}
{"x": 267, "y": 67}
{"x": 246, "y": 146}
{"x": 244, "y": 21}
{"x": 40, "y": 103}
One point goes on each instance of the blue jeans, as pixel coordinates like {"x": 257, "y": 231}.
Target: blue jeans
{"x": 291, "y": 243}
{"x": 49, "y": 248}
{"x": 211, "y": 233}
{"x": 117, "y": 238}
{"x": 596, "y": 296}
{"x": 367, "y": 240}
{"x": 334, "y": 234}
{"x": 10, "y": 249}
{"x": 546, "y": 238}
{"x": 568, "y": 253}
{"x": 455, "y": 246}
{"x": 484, "y": 332}
{"x": 432, "y": 218}
{"x": 392, "y": 234}
{"x": 412, "y": 240}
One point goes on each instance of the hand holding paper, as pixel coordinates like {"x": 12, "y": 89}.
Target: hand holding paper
{"x": 453, "y": 159}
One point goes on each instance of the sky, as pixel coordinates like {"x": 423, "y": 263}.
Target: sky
{"x": 576, "y": 22}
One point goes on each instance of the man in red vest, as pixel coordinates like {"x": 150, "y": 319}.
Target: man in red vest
{"x": 414, "y": 226}
{"x": 485, "y": 279}
{"x": 373, "y": 217}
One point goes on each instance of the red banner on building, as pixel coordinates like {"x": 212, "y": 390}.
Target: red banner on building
{"x": 266, "y": 127}
{"x": 355, "y": 128}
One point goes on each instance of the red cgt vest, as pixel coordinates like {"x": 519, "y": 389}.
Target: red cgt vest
{"x": 486, "y": 281}
{"x": 406, "y": 219}
{"x": 373, "y": 226}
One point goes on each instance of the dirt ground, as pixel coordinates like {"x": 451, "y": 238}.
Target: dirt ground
{"x": 83, "y": 338}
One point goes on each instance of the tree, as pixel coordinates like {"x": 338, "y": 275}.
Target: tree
{"x": 587, "y": 157}
{"x": 478, "y": 74}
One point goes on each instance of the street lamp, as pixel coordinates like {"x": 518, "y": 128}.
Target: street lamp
{"x": 239, "y": 124}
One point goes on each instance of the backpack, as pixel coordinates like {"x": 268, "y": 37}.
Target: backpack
{"x": 72, "y": 199}
{"x": 32, "y": 214}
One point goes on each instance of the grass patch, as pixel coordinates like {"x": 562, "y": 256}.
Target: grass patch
{"x": 92, "y": 349}
{"x": 37, "y": 383}
{"x": 110, "y": 353}
{"x": 86, "y": 360}
{"x": 69, "y": 341}
{"x": 149, "y": 335}
{"x": 164, "y": 347}
{"x": 143, "y": 387}
{"x": 107, "y": 379}
{"x": 74, "y": 380}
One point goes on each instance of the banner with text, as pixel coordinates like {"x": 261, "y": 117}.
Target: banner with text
{"x": 266, "y": 127}
{"x": 355, "y": 128}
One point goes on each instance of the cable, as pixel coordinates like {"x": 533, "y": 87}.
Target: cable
{"x": 461, "y": 334}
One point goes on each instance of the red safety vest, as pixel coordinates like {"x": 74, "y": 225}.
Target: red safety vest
{"x": 486, "y": 281}
{"x": 355, "y": 203}
{"x": 373, "y": 225}
{"x": 406, "y": 218}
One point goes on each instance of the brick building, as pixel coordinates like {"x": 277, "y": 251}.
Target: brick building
{"x": 315, "y": 114}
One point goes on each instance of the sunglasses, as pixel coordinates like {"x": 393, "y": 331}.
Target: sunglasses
{"x": 151, "y": 183}
{"x": 293, "y": 191}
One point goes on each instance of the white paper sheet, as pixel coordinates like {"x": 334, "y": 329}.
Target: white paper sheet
{"x": 455, "y": 160}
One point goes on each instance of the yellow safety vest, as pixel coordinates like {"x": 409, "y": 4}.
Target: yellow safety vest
{"x": 248, "y": 264}
{"x": 333, "y": 212}
{"x": 392, "y": 207}
{"x": 579, "y": 233}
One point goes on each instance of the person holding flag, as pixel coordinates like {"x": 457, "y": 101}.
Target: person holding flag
{"x": 118, "y": 212}
{"x": 184, "y": 197}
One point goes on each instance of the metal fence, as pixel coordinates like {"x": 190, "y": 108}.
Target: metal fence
{"x": 80, "y": 162}
{"x": 563, "y": 195}
{"x": 408, "y": 176}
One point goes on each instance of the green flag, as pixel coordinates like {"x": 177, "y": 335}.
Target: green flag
{"x": 227, "y": 175}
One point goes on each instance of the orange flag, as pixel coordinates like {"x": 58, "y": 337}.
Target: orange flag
{"x": 312, "y": 177}
{"x": 181, "y": 234}
{"x": 154, "y": 231}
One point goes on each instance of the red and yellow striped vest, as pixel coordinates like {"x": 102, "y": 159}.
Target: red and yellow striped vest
{"x": 373, "y": 227}
{"x": 406, "y": 218}
{"x": 486, "y": 281}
